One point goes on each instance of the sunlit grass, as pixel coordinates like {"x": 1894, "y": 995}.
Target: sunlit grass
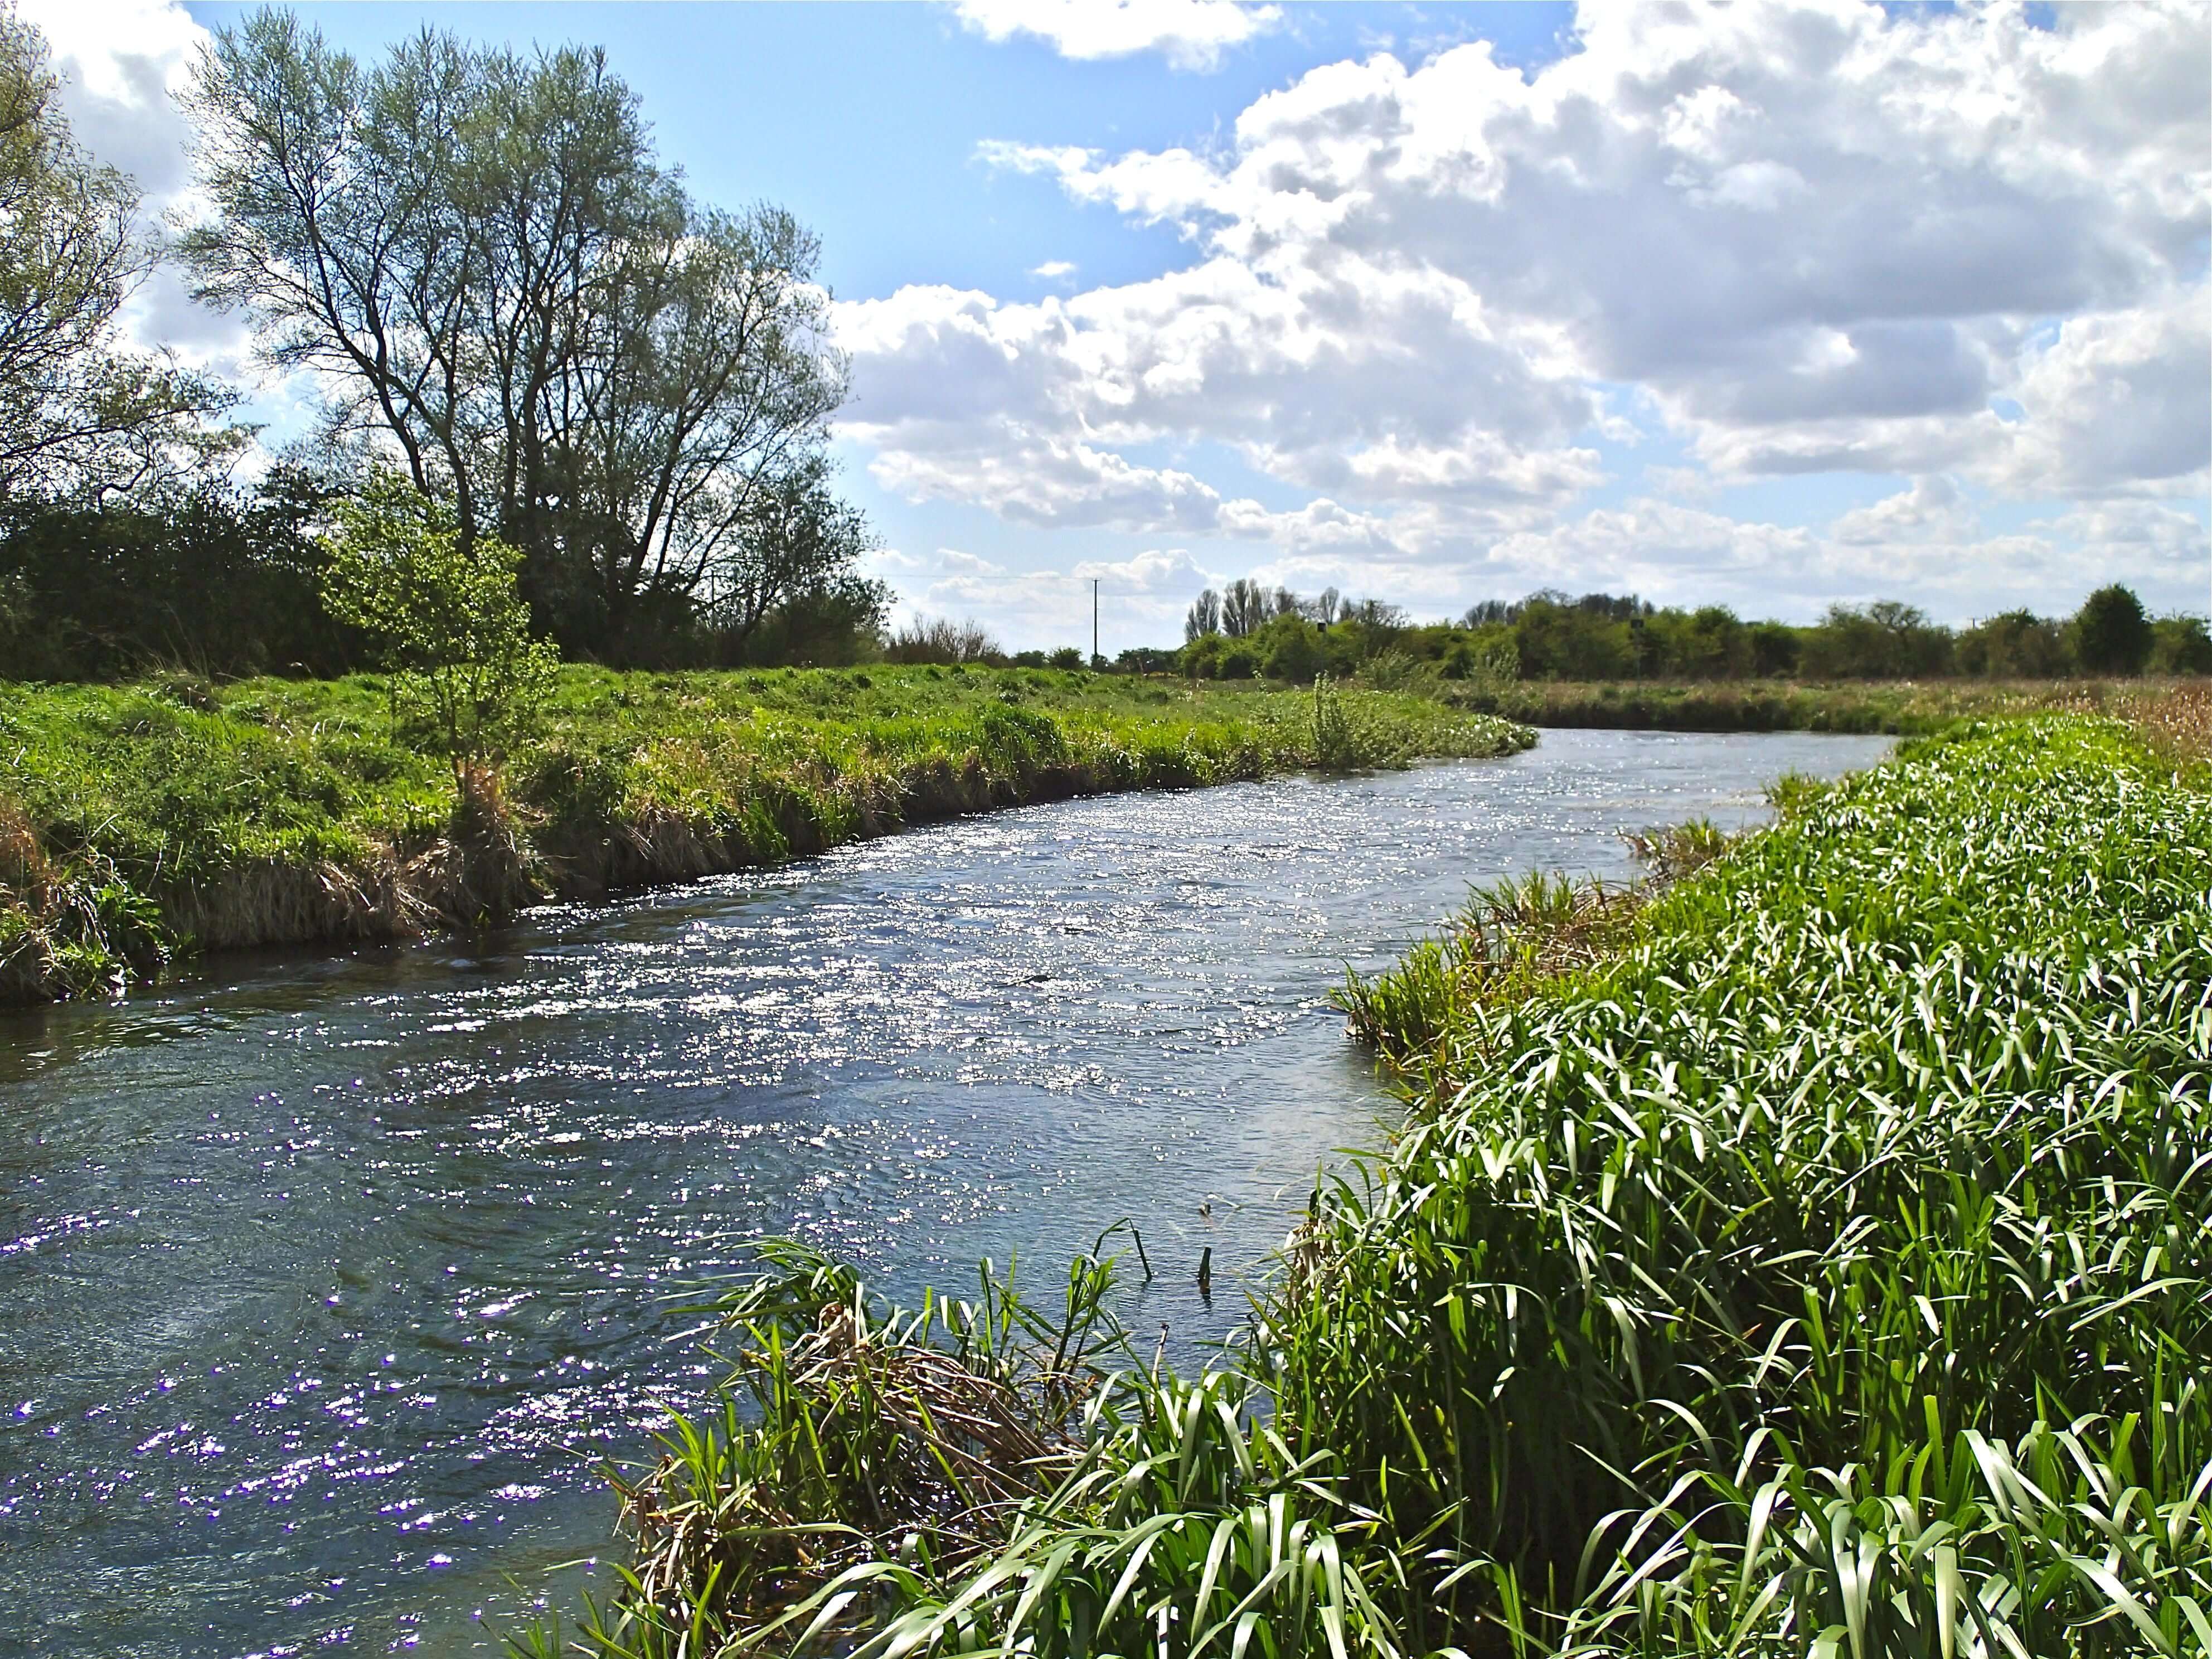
{"x": 1906, "y": 707}
{"x": 176, "y": 813}
{"x": 1812, "y": 1259}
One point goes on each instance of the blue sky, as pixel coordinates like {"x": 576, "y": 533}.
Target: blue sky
{"x": 1768, "y": 306}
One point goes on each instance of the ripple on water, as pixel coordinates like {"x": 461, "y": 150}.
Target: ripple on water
{"x": 321, "y": 1274}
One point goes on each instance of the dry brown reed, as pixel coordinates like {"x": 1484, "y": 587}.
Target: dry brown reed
{"x": 2175, "y": 718}
{"x": 24, "y": 871}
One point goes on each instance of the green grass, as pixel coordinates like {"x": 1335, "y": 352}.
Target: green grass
{"x": 152, "y": 818}
{"x": 1912, "y": 708}
{"x": 1820, "y": 1268}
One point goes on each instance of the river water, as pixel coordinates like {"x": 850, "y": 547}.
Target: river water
{"x": 325, "y": 1281}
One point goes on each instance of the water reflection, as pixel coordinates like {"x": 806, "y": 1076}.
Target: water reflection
{"x": 320, "y": 1274}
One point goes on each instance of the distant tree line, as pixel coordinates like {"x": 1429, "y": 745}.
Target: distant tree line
{"x": 503, "y": 296}
{"x": 1246, "y": 630}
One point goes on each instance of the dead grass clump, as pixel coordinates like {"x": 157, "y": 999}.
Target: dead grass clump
{"x": 866, "y": 1431}
{"x": 486, "y": 870}
{"x": 24, "y": 871}
{"x": 2174, "y": 719}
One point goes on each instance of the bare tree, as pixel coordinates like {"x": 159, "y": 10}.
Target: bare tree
{"x": 1204, "y": 617}
{"x": 942, "y": 639}
{"x": 479, "y": 255}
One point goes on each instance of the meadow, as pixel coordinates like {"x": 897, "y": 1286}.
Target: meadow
{"x": 1808, "y": 1256}
{"x": 140, "y": 823}
{"x": 1900, "y": 708}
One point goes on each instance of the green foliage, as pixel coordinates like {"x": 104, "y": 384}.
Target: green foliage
{"x": 1201, "y": 658}
{"x": 446, "y": 615}
{"x": 2017, "y": 645}
{"x": 2180, "y": 645}
{"x": 1292, "y": 650}
{"x": 1915, "y": 707}
{"x": 221, "y": 581}
{"x": 1601, "y": 637}
{"x": 1884, "y": 640}
{"x": 2110, "y": 634}
{"x": 1336, "y": 745}
{"x": 1831, "y": 1222}
{"x": 1489, "y": 659}
{"x": 269, "y": 811}
{"x": 1557, "y": 639}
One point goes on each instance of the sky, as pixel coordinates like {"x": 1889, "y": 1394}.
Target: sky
{"x": 1767, "y": 306}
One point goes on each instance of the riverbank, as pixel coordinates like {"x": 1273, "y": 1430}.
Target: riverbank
{"x": 141, "y": 823}
{"x": 1822, "y": 1262}
{"x": 1894, "y": 708}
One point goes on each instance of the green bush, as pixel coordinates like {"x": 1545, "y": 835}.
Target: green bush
{"x": 1290, "y": 649}
{"x": 2110, "y": 635}
{"x": 2180, "y": 645}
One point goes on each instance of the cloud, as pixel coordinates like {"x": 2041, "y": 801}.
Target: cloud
{"x": 1919, "y": 546}
{"x": 1423, "y": 303}
{"x": 1191, "y": 34}
{"x": 1141, "y": 598}
{"x": 120, "y": 61}
{"x": 1170, "y": 571}
{"x": 1953, "y": 245}
{"x": 1933, "y": 510}
{"x": 2117, "y": 404}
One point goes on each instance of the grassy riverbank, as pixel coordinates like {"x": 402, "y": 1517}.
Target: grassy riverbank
{"x": 1814, "y": 1260}
{"x": 141, "y": 821}
{"x": 1898, "y": 708}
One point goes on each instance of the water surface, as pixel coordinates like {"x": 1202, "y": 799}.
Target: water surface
{"x": 321, "y": 1279}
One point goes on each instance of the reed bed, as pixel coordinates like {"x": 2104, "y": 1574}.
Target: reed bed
{"x": 1820, "y": 1268}
{"x": 149, "y": 821}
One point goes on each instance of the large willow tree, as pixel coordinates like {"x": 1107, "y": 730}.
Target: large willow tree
{"x": 81, "y": 415}
{"x": 481, "y": 259}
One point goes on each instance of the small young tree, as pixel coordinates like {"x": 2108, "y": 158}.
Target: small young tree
{"x": 450, "y": 623}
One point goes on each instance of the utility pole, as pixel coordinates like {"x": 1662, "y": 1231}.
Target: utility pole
{"x": 1093, "y": 621}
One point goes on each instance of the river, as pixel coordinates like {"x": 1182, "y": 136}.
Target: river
{"x": 323, "y": 1279}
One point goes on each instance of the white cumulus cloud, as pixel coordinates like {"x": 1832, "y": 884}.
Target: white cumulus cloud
{"x": 1963, "y": 246}
{"x": 1191, "y": 34}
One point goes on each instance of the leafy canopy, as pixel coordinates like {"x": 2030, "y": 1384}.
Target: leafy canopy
{"x": 480, "y": 256}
